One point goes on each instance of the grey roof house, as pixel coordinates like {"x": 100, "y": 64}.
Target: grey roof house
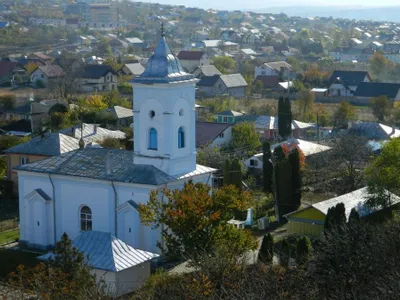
{"x": 373, "y": 131}
{"x": 206, "y": 71}
{"x": 369, "y": 90}
{"x": 233, "y": 85}
{"x": 124, "y": 116}
{"x": 211, "y": 134}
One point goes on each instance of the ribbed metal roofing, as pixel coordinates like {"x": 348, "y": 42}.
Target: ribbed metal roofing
{"x": 106, "y": 252}
{"x": 93, "y": 162}
{"x": 49, "y": 145}
{"x": 163, "y": 67}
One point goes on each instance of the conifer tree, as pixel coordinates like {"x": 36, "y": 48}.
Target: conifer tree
{"x": 236, "y": 173}
{"x": 303, "y": 250}
{"x": 284, "y": 253}
{"x": 227, "y": 172}
{"x": 284, "y": 117}
{"x": 294, "y": 158}
{"x": 266, "y": 252}
{"x": 267, "y": 168}
{"x": 354, "y": 216}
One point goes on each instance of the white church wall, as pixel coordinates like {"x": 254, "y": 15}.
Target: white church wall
{"x": 31, "y": 213}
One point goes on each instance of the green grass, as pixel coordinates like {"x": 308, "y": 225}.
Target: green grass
{"x": 9, "y": 236}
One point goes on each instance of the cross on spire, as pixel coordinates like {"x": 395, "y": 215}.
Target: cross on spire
{"x": 162, "y": 29}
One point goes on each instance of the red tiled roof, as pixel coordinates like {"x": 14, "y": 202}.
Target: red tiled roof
{"x": 190, "y": 55}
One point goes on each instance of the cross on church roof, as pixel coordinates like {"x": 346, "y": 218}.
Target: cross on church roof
{"x": 162, "y": 29}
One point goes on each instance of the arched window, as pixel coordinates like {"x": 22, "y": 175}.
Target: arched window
{"x": 153, "y": 139}
{"x": 181, "y": 138}
{"x": 86, "y": 218}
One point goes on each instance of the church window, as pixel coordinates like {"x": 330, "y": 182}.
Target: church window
{"x": 181, "y": 112}
{"x": 152, "y": 113}
{"x": 86, "y": 218}
{"x": 181, "y": 138}
{"x": 153, "y": 139}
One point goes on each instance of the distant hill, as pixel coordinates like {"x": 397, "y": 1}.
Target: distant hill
{"x": 359, "y": 13}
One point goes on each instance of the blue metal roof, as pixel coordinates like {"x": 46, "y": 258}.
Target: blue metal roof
{"x": 163, "y": 67}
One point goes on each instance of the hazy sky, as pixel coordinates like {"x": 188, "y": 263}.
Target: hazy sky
{"x": 257, "y": 4}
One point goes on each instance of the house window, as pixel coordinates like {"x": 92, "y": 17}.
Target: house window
{"x": 153, "y": 139}
{"x": 225, "y": 119}
{"x": 181, "y": 138}
{"x": 24, "y": 160}
{"x": 108, "y": 77}
{"x": 86, "y": 218}
{"x": 253, "y": 163}
{"x": 42, "y": 76}
{"x": 221, "y": 135}
{"x": 104, "y": 87}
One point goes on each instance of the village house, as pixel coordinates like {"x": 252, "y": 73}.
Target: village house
{"x": 132, "y": 69}
{"x": 206, "y": 71}
{"x": 211, "y": 134}
{"x": 367, "y": 90}
{"x": 135, "y": 42}
{"x": 122, "y": 115}
{"x": 373, "y": 131}
{"x": 229, "y": 116}
{"x": 280, "y": 68}
{"x": 97, "y": 78}
{"x": 190, "y": 60}
{"x": 40, "y": 147}
{"x": 309, "y": 150}
{"x": 46, "y": 74}
{"x": 233, "y": 85}
{"x": 345, "y": 83}
{"x": 41, "y": 56}
{"x": 9, "y": 71}
{"x": 267, "y": 128}
{"x": 310, "y": 220}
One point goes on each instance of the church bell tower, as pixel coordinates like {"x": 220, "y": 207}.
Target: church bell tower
{"x": 164, "y": 114}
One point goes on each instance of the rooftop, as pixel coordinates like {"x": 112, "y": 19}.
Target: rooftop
{"x": 207, "y": 132}
{"x": 52, "y": 71}
{"x": 120, "y": 112}
{"x": 92, "y": 133}
{"x": 106, "y": 252}
{"x": 163, "y": 67}
{"x": 190, "y": 55}
{"x": 49, "y": 145}
{"x": 349, "y": 77}
{"x": 209, "y": 70}
{"x": 376, "y": 89}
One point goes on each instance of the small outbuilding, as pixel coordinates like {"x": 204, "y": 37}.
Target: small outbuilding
{"x": 310, "y": 220}
{"x": 121, "y": 267}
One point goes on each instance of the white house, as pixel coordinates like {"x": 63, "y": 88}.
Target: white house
{"x": 96, "y": 78}
{"x": 308, "y": 149}
{"x": 279, "y": 68}
{"x": 345, "y": 83}
{"x": 100, "y": 189}
{"x": 46, "y": 73}
{"x": 211, "y": 134}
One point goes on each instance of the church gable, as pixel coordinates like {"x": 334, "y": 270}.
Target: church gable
{"x": 36, "y": 195}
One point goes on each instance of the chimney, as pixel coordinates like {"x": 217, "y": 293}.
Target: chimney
{"x": 249, "y": 219}
{"x": 109, "y": 163}
{"x": 393, "y": 130}
{"x": 95, "y": 129}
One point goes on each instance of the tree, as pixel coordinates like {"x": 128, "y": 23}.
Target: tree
{"x": 227, "y": 172}
{"x": 354, "y": 216}
{"x": 381, "y": 107}
{"x": 223, "y": 63}
{"x": 335, "y": 217}
{"x": 112, "y": 143}
{"x": 267, "y": 168}
{"x": 294, "y": 159}
{"x": 111, "y": 62}
{"x": 3, "y": 167}
{"x": 211, "y": 157}
{"x": 303, "y": 250}
{"x": 284, "y": 253}
{"x": 283, "y": 186}
{"x": 103, "y": 48}
{"x": 245, "y": 139}
{"x": 194, "y": 220}
{"x": 8, "y": 141}
{"x": 67, "y": 276}
{"x": 258, "y": 87}
{"x": 236, "y": 173}
{"x": 383, "y": 172}
{"x": 266, "y": 252}
{"x": 379, "y": 65}
{"x": 347, "y": 164}
{"x": 7, "y": 101}
{"x": 343, "y": 115}
{"x": 329, "y": 219}
{"x": 284, "y": 117}
{"x": 93, "y": 103}
{"x": 305, "y": 103}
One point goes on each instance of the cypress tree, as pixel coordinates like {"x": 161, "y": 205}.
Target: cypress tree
{"x": 303, "y": 250}
{"x": 284, "y": 117}
{"x": 354, "y": 216}
{"x": 267, "y": 168}
{"x": 283, "y": 186}
{"x": 227, "y": 172}
{"x": 294, "y": 159}
{"x": 329, "y": 219}
{"x": 266, "y": 252}
{"x": 236, "y": 173}
{"x": 340, "y": 215}
{"x": 284, "y": 253}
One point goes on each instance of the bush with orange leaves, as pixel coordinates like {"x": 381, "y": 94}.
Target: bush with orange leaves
{"x": 194, "y": 219}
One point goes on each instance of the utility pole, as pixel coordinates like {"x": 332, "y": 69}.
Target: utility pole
{"x": 317, "y": 127}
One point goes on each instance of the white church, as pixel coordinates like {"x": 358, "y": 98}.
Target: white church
{"x": 100, "y": 189}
